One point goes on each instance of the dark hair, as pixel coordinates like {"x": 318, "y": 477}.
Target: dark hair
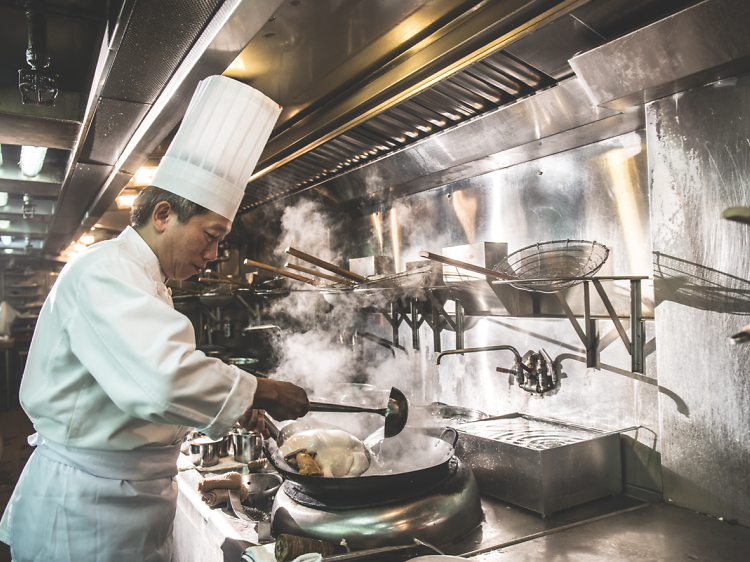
{"x": 150, "y": 197}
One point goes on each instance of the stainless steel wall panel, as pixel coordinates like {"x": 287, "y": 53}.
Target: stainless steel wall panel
{"x": 694, "y": 47}
{"x": 548, "y": 49}
{"x": 699, "y": 165}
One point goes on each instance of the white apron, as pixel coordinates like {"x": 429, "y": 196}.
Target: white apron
{"x": 82, "y": 505}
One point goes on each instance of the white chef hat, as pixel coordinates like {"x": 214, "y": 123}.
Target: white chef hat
{"x": 217, "y": 145}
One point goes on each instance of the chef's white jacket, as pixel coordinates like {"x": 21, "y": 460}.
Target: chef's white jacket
{"x": 113, "y": 367}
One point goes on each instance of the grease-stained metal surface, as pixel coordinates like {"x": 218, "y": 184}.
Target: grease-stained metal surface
{"x": 700, "y": 165}
{"x": 399, "y": 94}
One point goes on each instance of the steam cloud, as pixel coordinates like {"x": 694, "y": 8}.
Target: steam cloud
{"x": 319, "y": 348}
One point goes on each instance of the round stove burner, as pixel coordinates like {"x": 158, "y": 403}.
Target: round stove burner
{"x": 316, "y": 500}
{"x": 448, "y": 512}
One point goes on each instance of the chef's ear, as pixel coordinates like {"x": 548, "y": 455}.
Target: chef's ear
{"x": 162, "y": 212}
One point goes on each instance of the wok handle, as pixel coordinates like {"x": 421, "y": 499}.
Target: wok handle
{"x": 464, "y": 265}
{"x": 341, "y": 408}
{"x": 455, "y": 436}
{"x": 271, "y": 427}
{"x": 324, "y": 264}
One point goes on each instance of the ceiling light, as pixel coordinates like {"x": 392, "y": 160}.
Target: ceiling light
{"x": 144, "y": 175}
{"x": 238, "y": 63}
{"x": 8, "y": 250}
{"x": 5, "y": 225}
{"x": 125, "y": 201}
{"x": 38, "y": 85}
{"x": 1, "y": 155}
{"x": 87, "y": 239}
{"x": 32, "y": 160}
{"x": 6, "y": 240}
{"x": 3, "y": 198}
{"x": 78, "y": 247}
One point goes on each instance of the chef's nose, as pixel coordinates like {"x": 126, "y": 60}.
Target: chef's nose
{"x": 211, "y": 251}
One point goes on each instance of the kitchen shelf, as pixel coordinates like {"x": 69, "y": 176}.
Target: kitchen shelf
{"x": 430, "y": 309}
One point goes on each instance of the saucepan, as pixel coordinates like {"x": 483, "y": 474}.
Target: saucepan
{"x": 401, "y": 467}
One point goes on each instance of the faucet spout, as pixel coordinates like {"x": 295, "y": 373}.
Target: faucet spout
{"x": 478, "y": 349}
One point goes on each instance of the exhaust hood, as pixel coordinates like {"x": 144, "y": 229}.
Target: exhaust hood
{"x": 361, "y": 82}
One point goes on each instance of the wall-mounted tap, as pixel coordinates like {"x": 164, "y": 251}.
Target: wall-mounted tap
{"x": 539, "y": 376}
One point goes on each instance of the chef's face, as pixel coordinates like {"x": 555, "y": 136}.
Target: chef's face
{"x": 184, "y": 248}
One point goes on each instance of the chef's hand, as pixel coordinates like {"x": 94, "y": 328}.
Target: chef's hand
{"x": 282, "y": 400}
{"x": 253, "y": 420}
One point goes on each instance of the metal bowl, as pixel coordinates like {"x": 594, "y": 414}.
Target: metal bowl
{"x": 262, "y": 487}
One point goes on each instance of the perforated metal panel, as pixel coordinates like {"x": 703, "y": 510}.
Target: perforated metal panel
{"x": 159, "y": 35}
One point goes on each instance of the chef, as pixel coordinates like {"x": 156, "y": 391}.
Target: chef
{"x": 113, "y": 381}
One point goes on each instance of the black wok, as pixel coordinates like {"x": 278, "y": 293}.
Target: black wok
{"x": 401, "y": 467}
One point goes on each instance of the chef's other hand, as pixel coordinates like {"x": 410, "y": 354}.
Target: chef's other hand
{"x": 282, "y": 400}
{"x": 253, "y": 420}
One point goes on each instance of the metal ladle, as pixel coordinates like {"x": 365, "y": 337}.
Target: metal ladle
{"x": 395, "y": 413}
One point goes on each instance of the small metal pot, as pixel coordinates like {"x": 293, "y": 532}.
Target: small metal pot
{"x": 204, "y": 452}
{"x": 224, "y": 446}
{"x": 247, "y": 445}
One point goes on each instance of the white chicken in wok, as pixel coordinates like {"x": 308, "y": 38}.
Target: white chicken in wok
{"x": 331, "y": 453}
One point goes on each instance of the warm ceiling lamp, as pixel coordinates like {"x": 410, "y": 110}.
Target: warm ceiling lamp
{"x": 87, "y": 239}
{"x": 144, "y": 175}
{"x": 125, "y": 200}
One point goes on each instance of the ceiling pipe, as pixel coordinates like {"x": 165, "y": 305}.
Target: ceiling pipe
{"x": 38, "y": 86}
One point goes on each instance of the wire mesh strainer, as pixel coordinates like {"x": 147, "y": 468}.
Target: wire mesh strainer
{"x": 551, "y": 260}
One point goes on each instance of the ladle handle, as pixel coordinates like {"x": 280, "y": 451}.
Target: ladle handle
{"x": 465, "y": 265}
{"x": 341, "y": 408}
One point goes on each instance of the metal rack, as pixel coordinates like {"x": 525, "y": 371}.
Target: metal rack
{"x": 416, "y": 312}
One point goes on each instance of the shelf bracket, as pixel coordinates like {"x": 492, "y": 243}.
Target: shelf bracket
{"x": 394, "y": 318}
{"x": 589, "y": 337}
{"x": 414, "y": 321}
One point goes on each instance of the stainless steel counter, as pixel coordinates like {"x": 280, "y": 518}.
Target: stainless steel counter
{"x": 616, "y": 528}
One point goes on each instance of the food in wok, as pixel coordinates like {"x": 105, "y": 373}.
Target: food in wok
{"x": 331, "y": 453}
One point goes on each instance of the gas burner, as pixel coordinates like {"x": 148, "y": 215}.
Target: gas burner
{"x": 441, "y": 516}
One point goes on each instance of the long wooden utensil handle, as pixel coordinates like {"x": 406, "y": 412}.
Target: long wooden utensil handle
{"x": 464, "y": 265}
{"x": 324, "y": 264}
{"x": 319, "y": 274}
{"x": 278, "y": 271}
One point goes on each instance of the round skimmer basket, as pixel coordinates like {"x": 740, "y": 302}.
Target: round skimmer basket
{"x": 555, "y": 259}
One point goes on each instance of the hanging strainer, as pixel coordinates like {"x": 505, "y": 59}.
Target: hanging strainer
{"x": 554, "y": 260}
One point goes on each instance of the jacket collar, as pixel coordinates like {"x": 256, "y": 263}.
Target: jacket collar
{"x": 148, "y": 259}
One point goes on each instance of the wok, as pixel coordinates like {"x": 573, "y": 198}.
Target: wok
{"x": 401, "y": 467}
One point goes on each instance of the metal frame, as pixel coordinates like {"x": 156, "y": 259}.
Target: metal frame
{"x": 589, "y": 334}
{"x": 417, "y": 313}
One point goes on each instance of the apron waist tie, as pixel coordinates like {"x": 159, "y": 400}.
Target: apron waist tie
{"x": 146, "y": 463}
